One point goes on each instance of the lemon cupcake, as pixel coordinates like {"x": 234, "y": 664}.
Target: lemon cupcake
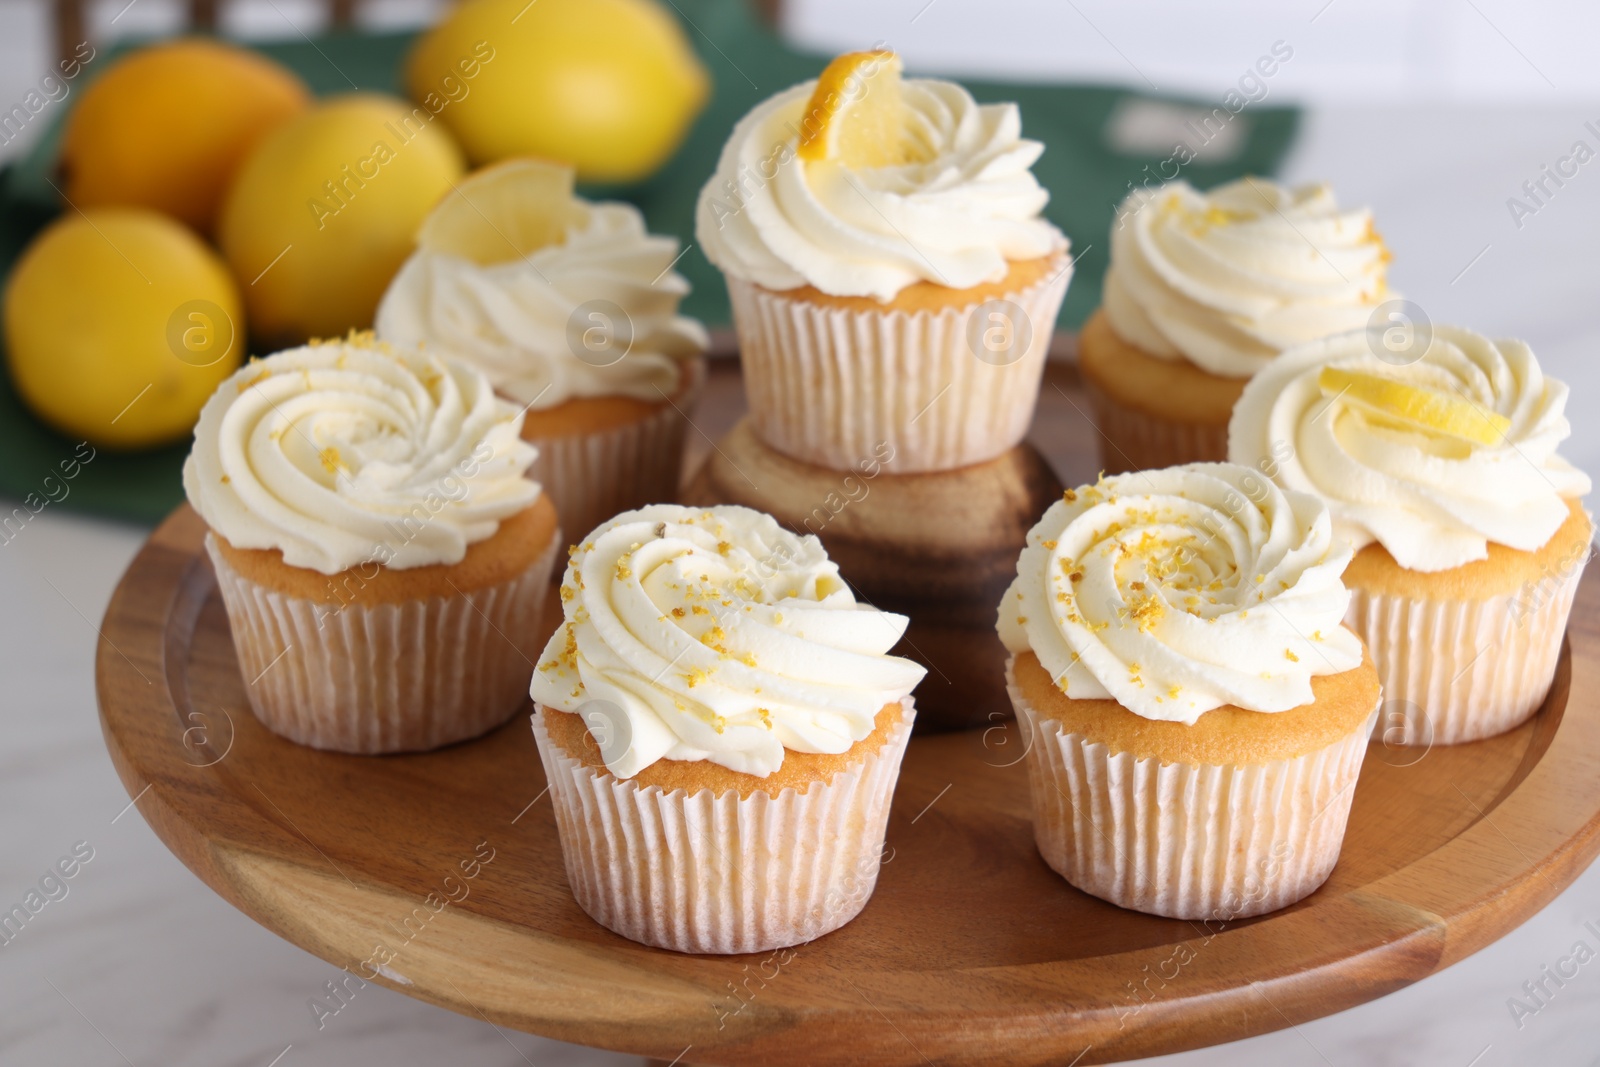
{"x": 1444, "y": 475}
{"x": 892, "y": 279}
{"x": 376, "y": 544}
{"x": 1194, "y": 713}
{"x": 571, "y": 310}
{"x": 721, "y": 730}
{"x": 1204, "y": 289}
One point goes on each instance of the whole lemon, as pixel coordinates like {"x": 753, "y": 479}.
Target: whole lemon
{"x": 168, "y": 127}
{"x": 326, "y": 210}
{"x": 120, "y": 323}
{"x": 609, "y": 86}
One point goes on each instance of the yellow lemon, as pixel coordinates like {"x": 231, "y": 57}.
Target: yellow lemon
{"x": 327, "y": 208}
{"x": 855, "y": 116}
{"x": 120, "y": 323}
{"x": 1415, "y": 407}
{"x": 167, "y": 127}
{"x": 502, "y": 213}
{"x": 609, "y": 86}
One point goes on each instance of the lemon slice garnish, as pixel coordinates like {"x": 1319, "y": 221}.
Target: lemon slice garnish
{"x": 1414, "y": 407}
{"x": 502, "y": 213}
{"x": 855, "y": 116}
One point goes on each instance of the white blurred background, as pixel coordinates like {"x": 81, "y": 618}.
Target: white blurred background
{"x": 1493, "y": 52}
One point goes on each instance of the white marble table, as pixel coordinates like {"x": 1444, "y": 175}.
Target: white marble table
{"x": 141, "y": 964}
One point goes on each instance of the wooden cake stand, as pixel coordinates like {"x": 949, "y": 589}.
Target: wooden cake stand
{"x": 440, "y": 874}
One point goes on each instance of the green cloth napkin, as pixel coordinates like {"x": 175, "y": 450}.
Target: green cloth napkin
{"x": 1086, "y": 175}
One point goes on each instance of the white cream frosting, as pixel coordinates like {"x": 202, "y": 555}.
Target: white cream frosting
{"x": 348, "y": 452}
{"x": 1433, "y": 501}
{"x": 1177, "y": 591}
{"x": 1229, "y": 278}
{"x": 514, "y": 321}
{"x": 715, "y": 634}
{"x": 954, "y": 219}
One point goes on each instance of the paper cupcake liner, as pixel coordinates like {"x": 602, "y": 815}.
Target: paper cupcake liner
{"x": 1463, "y": 670}
{"x": 833, "y": 386}
{"x": 722, "y": 874}
{"x": 385, "y": 677}
{"x": 1131, "y": 440}
{"x": 591, "y": 477}
{"x": 1188, "y": 841}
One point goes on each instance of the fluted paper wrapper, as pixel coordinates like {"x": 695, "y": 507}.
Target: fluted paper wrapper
{"x": 591, "y": 477}
{"x": 385, "y": 677}
{"x": 1463, "y": 670}
{"x": 1189, "y": 841}
{"x": 831, "y": 386}
{"x": 1131, "y": 440}
{"x": 722, "y": 874}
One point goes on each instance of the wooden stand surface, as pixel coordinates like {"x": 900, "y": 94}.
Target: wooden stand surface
{"x": 971, "y": 951}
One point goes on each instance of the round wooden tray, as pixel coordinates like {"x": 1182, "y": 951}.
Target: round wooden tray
{"x": 445, "y": 868}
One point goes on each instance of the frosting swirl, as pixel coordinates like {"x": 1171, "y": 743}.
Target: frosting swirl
{"x": 346, "y": 452}
{"x": 1433, "y": 500}
{"x": 1176, "y": 591}
{"x": 514, "y": 320}
{"x": 716, "y": 635}
{"x": 954, "y": 219}
{"x": 1229, "y": 278}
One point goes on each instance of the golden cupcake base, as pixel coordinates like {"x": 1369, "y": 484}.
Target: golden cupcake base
{"x": 1152, "y": 412}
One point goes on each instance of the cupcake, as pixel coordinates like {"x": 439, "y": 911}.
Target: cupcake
{"x": 1194, "y": 713}
{"x": 571, "y": 310}
{"x": 376, "y": 542}
{"x": 721, "y": 730}
{"x": 1443, "y": 475}
{"x": 892, "y": 279}
{"x": 1204, "y": 289}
